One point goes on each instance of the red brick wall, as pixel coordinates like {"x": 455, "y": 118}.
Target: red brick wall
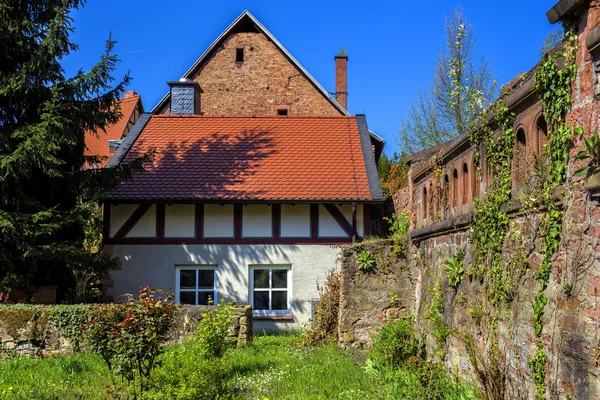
{"x": 264, "y": 82}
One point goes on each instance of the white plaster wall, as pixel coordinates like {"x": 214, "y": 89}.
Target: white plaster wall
{"x": 155, "y": 265}
{"x": 146, "y": 226}
{"x": 180, "y": 220}
{"x": 295, "y": 220}
{"x": 257, "y": 220}
{"x": 346, "y": 209}
{"x": 328, "y": 226}
{"x": 119, "y": 213}
{"x": 218, "y": 221}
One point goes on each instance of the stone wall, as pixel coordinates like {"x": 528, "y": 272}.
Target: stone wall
{"x": 30, "y": 330}
{"x": 570, "y": 322}
{"x": 371, "y": 298}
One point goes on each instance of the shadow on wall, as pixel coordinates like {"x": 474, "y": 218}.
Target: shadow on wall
{"x": 219, "y": 166}
{"x": 235, "y": 261}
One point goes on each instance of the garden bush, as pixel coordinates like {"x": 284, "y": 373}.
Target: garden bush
{"x": 213, "y": 335}
{"x": 396, "y": 343}
{"x": 184, "y": 374}
{"x": 131, "y": 335}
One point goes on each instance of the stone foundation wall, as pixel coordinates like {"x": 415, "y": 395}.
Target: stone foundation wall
{"x": 371, "y": 298}
{"x": 571, "y": 320}
{"x": 30, "y": 330}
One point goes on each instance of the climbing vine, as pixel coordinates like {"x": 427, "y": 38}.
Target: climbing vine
{"x": 553, "y": 85}
{"x": 490, "y": 224}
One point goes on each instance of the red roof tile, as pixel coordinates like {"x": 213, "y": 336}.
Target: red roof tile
{"x": 248, "y": 158}
{"x": 97, "y": 142}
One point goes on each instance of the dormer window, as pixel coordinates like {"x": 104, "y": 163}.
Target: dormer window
{"x": 239, "y": 55}
{"x": 282, "y": 112}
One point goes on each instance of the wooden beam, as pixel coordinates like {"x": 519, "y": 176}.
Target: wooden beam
{"x": 106, "y": 221}
{"x": 133, "y": 219}
{"x": 366, "y": 220}
{"x": 276, "y": 215}
{"x": 237, "y": 220}
{"x": 339, "y": 218}
{"x": 199, "y": 220}
{"x": 314, "y": 221}
{"x": 160, "y": 220}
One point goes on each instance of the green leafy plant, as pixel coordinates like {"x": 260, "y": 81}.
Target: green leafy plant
{"x": 435, "y": 315}
{"x": 591, "y": 152}
{"x": 396, "y": 342}
{"x": 399, "y": 224}
{"x": 213, "y": 334}
{"x": 131, "y": 335}
{"x": 68, "y": 319}
{"x": 343, "y": 52}
{"x": 394, "y": 299}
{"x": 365, "y": 260}
{"x": 455, "y": 269}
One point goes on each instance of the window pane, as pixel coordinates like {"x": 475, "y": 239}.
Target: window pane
{"x": 206, "y": 279}
{"x": 279, "y": 300}
{"x": 261, "y": 301}
{"x": 280, "y": 278}
{"x": 203, "y": 298}
{"x": 187, "y": 297}
{"x": 261, "y": 278}
{"x": 187, "y": 279}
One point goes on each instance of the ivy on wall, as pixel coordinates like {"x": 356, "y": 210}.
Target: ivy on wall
{"x": 553, "y": 85}
{"x": 490, "y": 224}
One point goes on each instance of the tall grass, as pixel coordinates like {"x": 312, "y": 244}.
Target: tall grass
{"x": 273, "y": 367}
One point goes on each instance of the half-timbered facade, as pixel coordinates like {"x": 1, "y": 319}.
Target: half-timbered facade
{"x": 250, "y": 203}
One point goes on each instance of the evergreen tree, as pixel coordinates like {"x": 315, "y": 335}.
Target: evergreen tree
{"x": 461, "y": 85}
{"x": 47, "y": 195}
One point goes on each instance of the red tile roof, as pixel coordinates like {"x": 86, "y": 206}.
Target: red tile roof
{"x": 248, "y": 158}
{"x": 97, "y": 142}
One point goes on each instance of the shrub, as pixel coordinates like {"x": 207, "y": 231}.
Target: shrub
{"x": 325, "y": 324}
{"x": 365, "y": 260}
{"x": 399, "y": 224}
{"x": 396, "y": 343}
{"x": 131, "y": 335}
{"x": 213, "y": 334}
{"x": 184, "y": 374}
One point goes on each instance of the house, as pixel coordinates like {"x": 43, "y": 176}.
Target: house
{"x": 258, "y": 175}
{"x": 103, "y": 144}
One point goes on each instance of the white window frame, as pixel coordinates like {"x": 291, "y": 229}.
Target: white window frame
{"x": 271, "y": 313}
{"x": 215, "y": 290}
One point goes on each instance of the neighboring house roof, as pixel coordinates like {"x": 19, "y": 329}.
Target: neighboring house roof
{"x": 96, "y": 143}
{"x": 250, "y": 158}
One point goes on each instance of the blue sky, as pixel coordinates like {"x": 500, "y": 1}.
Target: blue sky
{"x": 392, "y": 45}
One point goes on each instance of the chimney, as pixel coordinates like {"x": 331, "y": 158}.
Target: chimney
{"x": 185, "y": 96}
{"x": 341, "y": 78}
{"x": 129, "y": 94}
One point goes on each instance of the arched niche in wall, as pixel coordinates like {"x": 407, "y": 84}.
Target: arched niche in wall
{"x": 424, "y": 202}
{"x": 455, "y": 188}
{"x": 476, "y": 180}
{"x": 465, "y": 183}
{"x": 520, "y": 156}
{"x": 542, "y": 132}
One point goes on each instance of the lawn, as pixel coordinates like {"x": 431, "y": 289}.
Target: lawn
{"x": 274, "y": 367}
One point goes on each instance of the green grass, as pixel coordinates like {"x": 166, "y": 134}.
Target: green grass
{"x": 79, "y": 376}
{"x": 273, "y": 367}
{"x": 279, "y": 367}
